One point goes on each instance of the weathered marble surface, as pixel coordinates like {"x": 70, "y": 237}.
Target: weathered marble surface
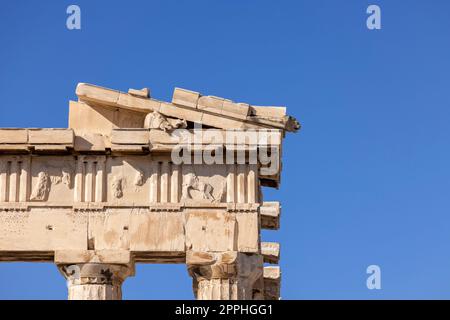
{"x": 106, "y": 193}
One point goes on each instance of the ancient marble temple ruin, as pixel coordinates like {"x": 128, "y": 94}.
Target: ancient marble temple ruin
{"x": 106, "y": 193}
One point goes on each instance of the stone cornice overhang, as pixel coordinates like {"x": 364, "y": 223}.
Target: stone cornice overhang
{"x": 192, "y": 106}
{"x": 143, "y": 141}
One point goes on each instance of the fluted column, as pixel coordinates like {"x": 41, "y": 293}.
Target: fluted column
{"x": 224, "y": 276}
{"x": 95, "y": 281}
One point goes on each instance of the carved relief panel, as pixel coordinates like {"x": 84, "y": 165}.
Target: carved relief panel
{"x": 204, "y": 183}
{"x": 123, "y": 180}
{"x": 128, "y": 179}
{"x": 52, "y": 179}
{"x": 220, "y": 183}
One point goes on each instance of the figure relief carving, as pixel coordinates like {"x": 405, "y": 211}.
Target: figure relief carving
{"x": 155, "y": 120}
{"x": 121, "y": 183}
{"x": 42, "y": 188}
{"x": 117, "y": 187}
{"x": 191, "y": 181}
{"x": 48, "y": 176}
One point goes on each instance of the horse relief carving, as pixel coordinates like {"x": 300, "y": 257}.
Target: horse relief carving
{"x": 191, "y": 181}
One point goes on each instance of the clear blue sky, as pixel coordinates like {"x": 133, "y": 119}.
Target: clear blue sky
{"x": 367, "y": 179}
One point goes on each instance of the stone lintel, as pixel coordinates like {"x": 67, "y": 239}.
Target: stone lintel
{"x": 109, "y": 234}
{"x": 93, "y": 256}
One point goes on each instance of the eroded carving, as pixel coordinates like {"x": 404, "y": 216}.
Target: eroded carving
{"x": 139, "y": 179}
{"x": 117, "y": 187}
{"x": 155, "y": 120}
{"x": 65, "y": 178}
{"x": 48, "y": 176}
{"x": 42, "y": 188}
